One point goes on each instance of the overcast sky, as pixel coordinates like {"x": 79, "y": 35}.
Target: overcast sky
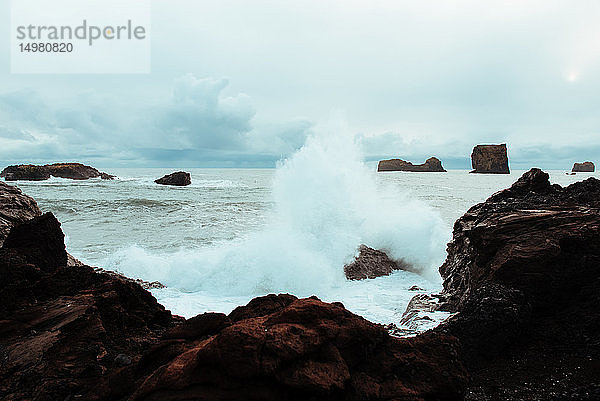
{"x": 243, "y": 82}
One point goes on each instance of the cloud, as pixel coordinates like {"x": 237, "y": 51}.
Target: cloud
{"x": 198, "y": 124}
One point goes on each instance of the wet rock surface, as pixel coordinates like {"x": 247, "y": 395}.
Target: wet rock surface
{"x": 433, "y": 164}
{"x": 372, "y": 263}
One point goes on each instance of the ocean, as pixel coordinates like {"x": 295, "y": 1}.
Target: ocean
{"x": 235, "y": 234}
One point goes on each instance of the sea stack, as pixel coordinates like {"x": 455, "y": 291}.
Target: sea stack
{"x": 490, "y": 159}
{"x": 433, "y": 164}
{"x": 586, "y": 167}
{"x": 178, "y": 179}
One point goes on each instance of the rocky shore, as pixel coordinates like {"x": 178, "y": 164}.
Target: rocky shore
{"x": 522, "y": 279}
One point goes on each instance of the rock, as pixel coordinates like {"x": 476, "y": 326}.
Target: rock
{"x": 25, "y": 172}
{"x": 179, "y": 178}
{"x": 15, "y": 208}
{"x": 106, "y": 176}
{"x": 75, "y": 171}
{"x": 371, "y": 263}
{"x": 68, "y": 331}
{"x": 431, "y": 165}
{"x": 490, "y": 159}
{"x": 523, "y": 275}
{"x": 586, "y": 167}
{"x": 307, "y": 349}
{"x": 123, "y": 360}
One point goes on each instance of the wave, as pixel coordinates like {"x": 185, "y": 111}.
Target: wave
{"x": 327, "y": 203}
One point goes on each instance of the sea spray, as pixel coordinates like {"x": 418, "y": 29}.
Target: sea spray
{"x": 327, "y": 203}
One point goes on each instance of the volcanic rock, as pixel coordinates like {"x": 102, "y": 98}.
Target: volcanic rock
{"x": 67, "y": 330}
{"x": 372, "y": 263}
{"x": 490, "y": 159}
{"x": 586, "y": 167}
{"x": 179, "y": 178}
{"x": 523, "y": 273}
{"x": 432, "y": 164}
{"x": 15, "y": 208}
{"x": 74, "y": 171}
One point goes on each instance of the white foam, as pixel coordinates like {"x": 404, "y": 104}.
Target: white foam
{"x": 327, "y": 203}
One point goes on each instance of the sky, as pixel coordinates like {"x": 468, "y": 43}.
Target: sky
{"x": 243, "y": 83}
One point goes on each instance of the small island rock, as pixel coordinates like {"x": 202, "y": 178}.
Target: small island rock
{"x": 179, "y": 178}
{"x": 433, "y": 164}
{"x": 586, "y": 167}
{"x": 30, "y": 172}
{"x": 490, "y": 159}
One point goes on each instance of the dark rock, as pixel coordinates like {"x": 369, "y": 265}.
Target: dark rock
{"x": 75, "y": 171}
{"x": 63, "y": 327}
{"x": 371, "y": 263}
{"x": 309, "y": 350}
{"x": 262, "y": 306}
{"x": 40, "y": 240}
{"x": 25, "y": 172}
{"x": 123, "y": 360}
{"x": 15, "y": 208}
{"x": 523, "y": 273}
{"x": 490, "y": 159}
{"x": 586, "y": 167}
{"x": 106, "y": 176}
{"x": 432, "y": 164}
{"x": 179, "y": 178}
{"x": 415, "y": 288}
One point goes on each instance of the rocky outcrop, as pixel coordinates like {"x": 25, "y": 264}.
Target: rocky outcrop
{"x": 179, "y": 178}
{"x": 15, "y": 208}
{"x": 522, "y": 280}
{"x": 73, "y": 333}
{"x": 74, "y": 171}
{"x": 490, "y": 159}
{"x": 67, "y": 330}
{"x": 372, "y": 263}
{"x": 432, "y": 164}
{"x": 523, "y": 273}
{"x": 585, "y": 167}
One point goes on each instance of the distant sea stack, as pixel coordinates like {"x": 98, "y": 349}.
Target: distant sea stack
{"x": 178, "y": 179}
{"x": 586, "y": 167}
{"x": 30, "y": 172}
{"x": 432, "y": 164}
{"x": 490, "y": 159}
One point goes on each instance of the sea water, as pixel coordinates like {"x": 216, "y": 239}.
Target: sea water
{"x": 235, "y": 234}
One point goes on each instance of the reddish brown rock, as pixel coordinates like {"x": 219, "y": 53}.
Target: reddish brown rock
{"x": 308, "y": 349}
{"x": 372, "y": 263}
{"x": 490, "y": 159}
{"x": 62, "y": 328}
{"x": 432, "y": 164}
{"x": 179, "y": 179}
{"x": 585, "y": 167}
